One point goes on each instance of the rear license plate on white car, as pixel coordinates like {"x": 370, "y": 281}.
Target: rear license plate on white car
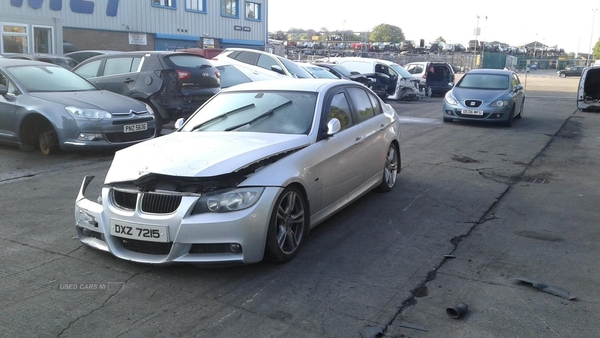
{"x": 472, "y": 112}
{"x": 132, "y": 128}
{"x": 142, "y": 232}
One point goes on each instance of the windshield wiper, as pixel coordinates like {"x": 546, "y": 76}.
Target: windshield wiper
{"x": 222, "y": 116}
{"x": 268, "y": 112}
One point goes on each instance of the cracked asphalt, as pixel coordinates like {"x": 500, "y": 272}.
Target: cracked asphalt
{"x": 476, "y": 207}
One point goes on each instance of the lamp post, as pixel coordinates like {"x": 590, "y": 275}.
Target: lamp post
{"x": 343, "y": 37}
{"x": 483, "y": 42}
{"x": 476, "y": 43}
{"x": 587, "y": 62}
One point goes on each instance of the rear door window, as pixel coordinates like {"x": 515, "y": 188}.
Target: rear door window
{"x": 120, "y": 65}
{"x": 362, "y": 104}
{"x": 247, "y": 57}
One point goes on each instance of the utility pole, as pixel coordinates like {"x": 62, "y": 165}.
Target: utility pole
{"x": 483, "y": 42}
{"x": 587, "y": 62}
{"x": 476, "y": 43}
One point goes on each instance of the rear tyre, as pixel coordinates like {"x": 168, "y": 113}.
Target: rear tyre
{"x": 288, "y": 225}
{"x": 563, "y": 75}
{"x": 48, "y": 142}
{"x": 390, "y": 170}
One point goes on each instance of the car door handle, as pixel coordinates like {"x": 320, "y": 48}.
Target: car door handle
{"x": 359, "y": 140}
{"x": 128, "y": 80}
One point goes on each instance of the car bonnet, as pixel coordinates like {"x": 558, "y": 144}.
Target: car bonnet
{"x": 199, "y": 154}
{"x": 98, "y": 99}
{"x": 486, "y": 95}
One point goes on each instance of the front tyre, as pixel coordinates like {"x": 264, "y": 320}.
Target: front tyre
{"x": 288, "y": 225}
{"x": 390, "y": 170}
{"x": 48, "y": 142}
{"x": 563, "y": 75}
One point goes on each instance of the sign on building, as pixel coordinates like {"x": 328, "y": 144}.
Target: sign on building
{"x": 138, "y": 39}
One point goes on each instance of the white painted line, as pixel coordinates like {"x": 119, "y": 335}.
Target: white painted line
{"x": 411, "y": 119}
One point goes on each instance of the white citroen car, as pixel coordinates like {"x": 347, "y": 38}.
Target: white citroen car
{"x": 246, "y": 176}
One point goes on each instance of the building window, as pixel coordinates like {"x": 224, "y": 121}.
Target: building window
{"x": 15, "y": 39}
{"x": 195, "y": 6}
{"x": 229, "y": 8}
{"x": 165, "y": 3}
{"x": 252, "y": 11}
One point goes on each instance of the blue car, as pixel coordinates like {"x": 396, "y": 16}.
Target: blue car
{"x": 489, "y": 95}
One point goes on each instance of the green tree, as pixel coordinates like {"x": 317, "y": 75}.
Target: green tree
{"x": 440, "y": 39}
{"x": 386, "y": 33}
{"x": 596, "y": 50}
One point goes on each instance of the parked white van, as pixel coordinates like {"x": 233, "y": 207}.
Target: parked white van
{"x": 588, "y": 94}
{"x": 406, "y": 84}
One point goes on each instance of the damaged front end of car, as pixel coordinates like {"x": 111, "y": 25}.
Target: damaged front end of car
{"x": 162, "y": 219}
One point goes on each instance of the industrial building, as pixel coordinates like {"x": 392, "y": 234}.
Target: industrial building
{"x": 61, "y": 26}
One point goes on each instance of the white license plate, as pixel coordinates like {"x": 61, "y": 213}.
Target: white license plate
{"x": 132, "y": 128}
{"x": 472, "y": 112}
{"x": 142, "y": 232}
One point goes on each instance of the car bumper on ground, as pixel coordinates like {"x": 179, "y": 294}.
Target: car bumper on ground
{"x": 177, "y": 237}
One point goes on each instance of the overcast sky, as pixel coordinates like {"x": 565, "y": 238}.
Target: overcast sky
{"x": 568, "y": 25}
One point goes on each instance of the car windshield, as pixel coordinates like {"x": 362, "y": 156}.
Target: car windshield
{"x": 484, "y": 81}
{"x": 281, "y": 112}
{"x": 49, "y": 79}
{"x": 296, "y": 69}
{"x": 401, "y": 70}
{"x": 320, "y": 72}
{"x": 342, "y": 70}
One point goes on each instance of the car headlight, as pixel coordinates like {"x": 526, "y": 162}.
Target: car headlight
{"x": 231, "y": 200}
{"x": 450, "y": 100}
{"x": 88, "y": 114}
{"x": 499, "y": 103}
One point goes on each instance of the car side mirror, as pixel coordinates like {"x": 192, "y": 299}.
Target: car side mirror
{"x": 354, "y": 72}
{"x": 333, "y": 126}
{"x": 277, "y": 69}
{"x": 518, "y": 87}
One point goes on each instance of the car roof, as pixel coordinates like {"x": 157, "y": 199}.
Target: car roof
{"x": 307, "y": 85}
{"x": 246, "y": 50}
{"x": 48, "y": 55}
{"x": 357, "y": 58}
{"x": 490, "y": 71}
{"x": 6, "y": 62}
{"x": 153, "y": 52}
{"x": 94, "y": 51}
{"x": 145, "y": 52}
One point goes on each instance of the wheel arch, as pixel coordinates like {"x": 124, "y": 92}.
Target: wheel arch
{"x": 31, "y": 126}
{"x": 306, "y": 201}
